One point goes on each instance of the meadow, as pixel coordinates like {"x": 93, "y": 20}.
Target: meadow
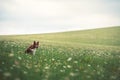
{"x": 74, "y": 55}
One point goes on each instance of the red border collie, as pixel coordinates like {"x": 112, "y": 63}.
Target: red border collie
{"x": 32, "y": 48}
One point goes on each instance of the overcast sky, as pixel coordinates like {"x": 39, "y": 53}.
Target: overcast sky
{"x": 41, "y": 16}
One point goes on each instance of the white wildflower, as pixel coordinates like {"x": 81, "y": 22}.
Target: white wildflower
{"x": 113, "y": 77}
{"x": 3, "y": 62}
{"x": 7, "y": 74}
{"x": 69, "y": 66}
{"x": 53, "y": 59}
{"x": 19, "y": 58}
{"x": 69, "y": 59}
{"x": 64, "y": 66}
{"x": 1, "y": 70}
{"x": 76, "y": 69}
{"x": 62, "y": 70}
{"x": 11, "y": 67}
{"x": 11, "y": 55}
{"x": 46, "y": 67}
{"x": 72, "y": 74}
{"x": 88, "y": 76}
{"x": 17, "y": 78}
{"x": 98, "y": 72}
{"x": 85, "y": 71}
{"x": 89, "y": 65}
{"x": 119, "y": 69}
{"x": 76, "y": 62}
{"x": 25, "y": 72}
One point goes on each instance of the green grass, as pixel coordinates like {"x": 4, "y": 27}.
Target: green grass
{"x": 75, "y": 55}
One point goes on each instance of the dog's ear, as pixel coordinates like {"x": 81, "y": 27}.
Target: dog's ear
{"x": 38, "y": 42}
{"x": 34, "y": 42}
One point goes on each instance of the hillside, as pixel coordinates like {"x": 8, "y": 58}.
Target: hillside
{"x": 74, "y": 55}
{"x": 103, "y": 36}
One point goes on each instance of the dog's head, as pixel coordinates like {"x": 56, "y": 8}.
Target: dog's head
{"x": 36, "y": 44}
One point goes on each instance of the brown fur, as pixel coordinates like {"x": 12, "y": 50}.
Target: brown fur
{"x": 32, "y": 47}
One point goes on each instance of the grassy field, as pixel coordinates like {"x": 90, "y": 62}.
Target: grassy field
{"x": 75, "y": 55}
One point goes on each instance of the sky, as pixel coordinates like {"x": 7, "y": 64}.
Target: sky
{"x": 45, "y": 16}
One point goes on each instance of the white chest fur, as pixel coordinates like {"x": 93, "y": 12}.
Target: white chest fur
{"x": 33, "y": 51}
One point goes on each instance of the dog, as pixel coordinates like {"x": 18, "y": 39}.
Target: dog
{"x": 32, "y": 48}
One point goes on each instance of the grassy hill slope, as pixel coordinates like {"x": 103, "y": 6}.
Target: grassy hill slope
{"x": 74, "y": 55}
{"x": 104, "y": 36}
